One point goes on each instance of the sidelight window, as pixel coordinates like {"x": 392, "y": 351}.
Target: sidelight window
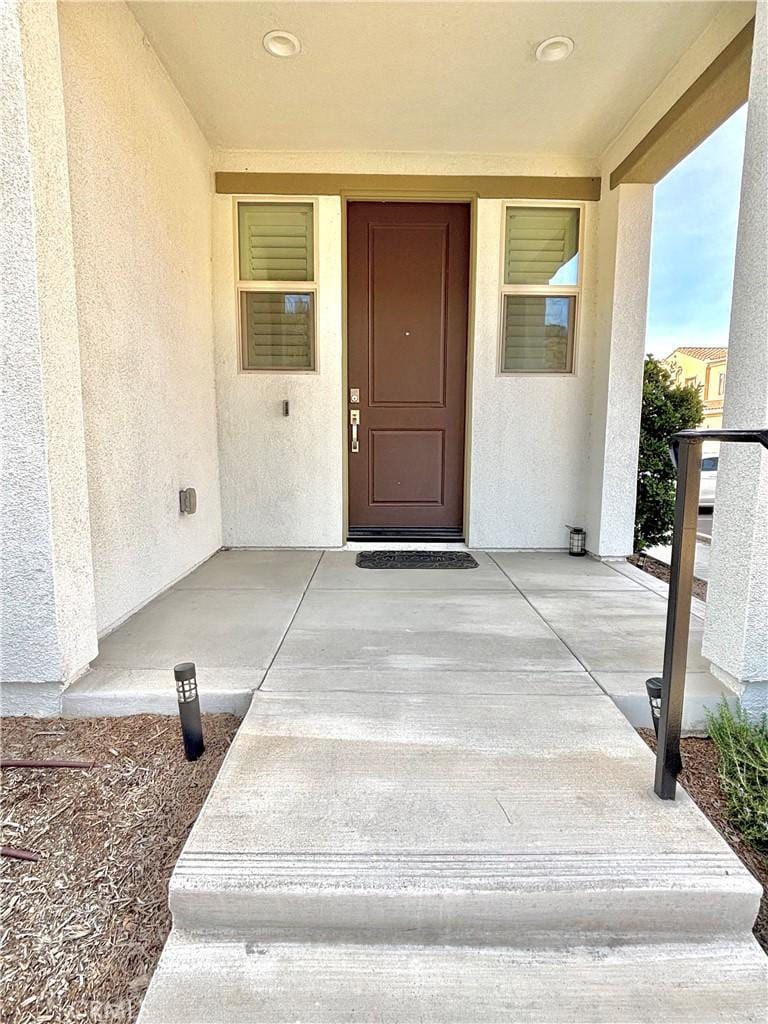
{"x": 277, "y": 285}
{"x": 541, "y": 279}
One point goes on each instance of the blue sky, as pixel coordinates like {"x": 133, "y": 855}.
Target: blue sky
{"x": 695, "y": 215}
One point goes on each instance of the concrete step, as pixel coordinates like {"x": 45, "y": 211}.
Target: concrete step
{"x": 495, "y": 820}
{"x": 114, "y": 691}
{"x": 703, "y": 694}
{"x": 253, "y": 983}
{"x": 542, "y": 900}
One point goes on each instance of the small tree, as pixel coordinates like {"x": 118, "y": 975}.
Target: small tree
{"x": 667, "y": 408}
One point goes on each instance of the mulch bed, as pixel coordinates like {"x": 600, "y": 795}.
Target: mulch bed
{"x": 700, "y": 779}
{"x": 662, "y": 572}
{"x": 82, "y": 928}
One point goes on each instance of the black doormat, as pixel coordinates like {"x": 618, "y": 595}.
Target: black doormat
{"x": 415, "y": 560}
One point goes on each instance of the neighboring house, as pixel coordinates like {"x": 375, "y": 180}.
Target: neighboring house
{"x": 704, "y": 366}
{"x": 348, "y": 270}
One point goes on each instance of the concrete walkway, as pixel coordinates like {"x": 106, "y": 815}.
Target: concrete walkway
{"x": 433, "y": 811}
{"x": 539, "y": 612}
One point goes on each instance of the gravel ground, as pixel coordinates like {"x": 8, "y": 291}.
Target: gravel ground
{"x": 82, "y": 928}
{"x": 700, "y": 778}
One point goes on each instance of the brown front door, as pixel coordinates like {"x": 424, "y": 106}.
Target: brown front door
{"x": 408, "y": 285}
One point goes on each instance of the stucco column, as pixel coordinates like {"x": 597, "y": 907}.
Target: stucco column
{"x": 624, "y": 248}
{"x": 48, "y": 615}
{"x": 736, "y": 627}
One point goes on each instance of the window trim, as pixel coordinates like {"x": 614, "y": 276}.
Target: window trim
{"x": 281, "y": 287}
{"x": 554, "y": 290}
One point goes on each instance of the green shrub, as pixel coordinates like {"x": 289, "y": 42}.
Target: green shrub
{"x": 743, "y": 748}
{"x": 667, "y": 408}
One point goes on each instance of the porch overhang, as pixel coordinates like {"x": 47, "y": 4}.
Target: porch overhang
{"x": 716, "y": 94}
{"x": 644, "y": 84}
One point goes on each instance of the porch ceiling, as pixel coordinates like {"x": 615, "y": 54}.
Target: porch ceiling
{"x": 416, "y": 77}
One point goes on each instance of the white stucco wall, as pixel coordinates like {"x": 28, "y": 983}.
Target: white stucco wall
{"x": 623, "y": 273}
{"x": 736, "y": 627}
{"x": 278, "y": 474}
{"x": 141, "y": 211}
{"x": 544, "y": 451}
{"x": 528, "y": 454}
{"x": 623, "y": 261}
{"x": 47, "y": 614}
{"x": 623, "y": 269}
{"x": 281, "y": 477}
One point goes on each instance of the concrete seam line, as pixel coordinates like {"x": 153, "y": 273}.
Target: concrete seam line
{"x": 551, "y": 628}
{"x": 290, "y": 623}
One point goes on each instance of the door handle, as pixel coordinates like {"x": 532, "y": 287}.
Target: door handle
{"x": 354, "y": 420}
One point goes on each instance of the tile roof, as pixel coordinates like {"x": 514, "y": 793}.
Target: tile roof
{"x": 708, "y": 354}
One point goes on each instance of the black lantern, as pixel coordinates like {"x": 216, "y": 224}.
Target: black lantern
{"x": 189, "y": 709}
{"x": 578, "y": 541}
{"x": 654, "y": 686}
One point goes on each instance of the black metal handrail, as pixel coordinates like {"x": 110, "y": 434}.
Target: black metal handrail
{"x": 685, "y": 449}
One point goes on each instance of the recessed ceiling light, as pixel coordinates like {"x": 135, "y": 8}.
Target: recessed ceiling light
{"x": 281, "y": 44}
{"x": 555, "y": 48}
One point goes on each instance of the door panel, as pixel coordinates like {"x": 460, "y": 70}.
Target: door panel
{"x": 407, "y": 467}
{"x": 408, "y": 281}
{"x": 408, "y": 277}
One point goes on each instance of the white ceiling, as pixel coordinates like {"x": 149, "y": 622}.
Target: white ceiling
{"x": 420, "y": 77}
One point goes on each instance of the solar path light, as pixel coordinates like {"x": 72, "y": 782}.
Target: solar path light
{"x": 654, "y": 687}
{"x": 189, "y": 710}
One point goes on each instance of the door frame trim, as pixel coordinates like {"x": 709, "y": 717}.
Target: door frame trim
{"x": 468, "y": 199}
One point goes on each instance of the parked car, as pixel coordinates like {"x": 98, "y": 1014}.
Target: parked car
{"x": 708, "y": 481}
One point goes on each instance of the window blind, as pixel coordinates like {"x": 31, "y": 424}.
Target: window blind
{"x": 538, "y": 243}
{"x": 276, "y": 242}
{"x": 538, "y": 332}
{"x": 278, "y": 330}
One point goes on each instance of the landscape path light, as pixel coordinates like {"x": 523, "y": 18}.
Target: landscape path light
{"x": 189, "y": 709}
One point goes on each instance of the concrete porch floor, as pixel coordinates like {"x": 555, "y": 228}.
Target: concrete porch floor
{"x": 280, "y": 620}
{"x": 431, "y": 784}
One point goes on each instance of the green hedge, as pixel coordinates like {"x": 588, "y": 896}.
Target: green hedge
{"x": 667, "y": 408}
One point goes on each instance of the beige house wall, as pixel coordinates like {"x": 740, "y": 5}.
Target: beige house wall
{"x": 705, "y": 374}
{"x": 141, "y": 212}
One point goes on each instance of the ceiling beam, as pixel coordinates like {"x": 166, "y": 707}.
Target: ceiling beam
{"x": 716, "y": 94}
{"x": 246, "y": 183}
